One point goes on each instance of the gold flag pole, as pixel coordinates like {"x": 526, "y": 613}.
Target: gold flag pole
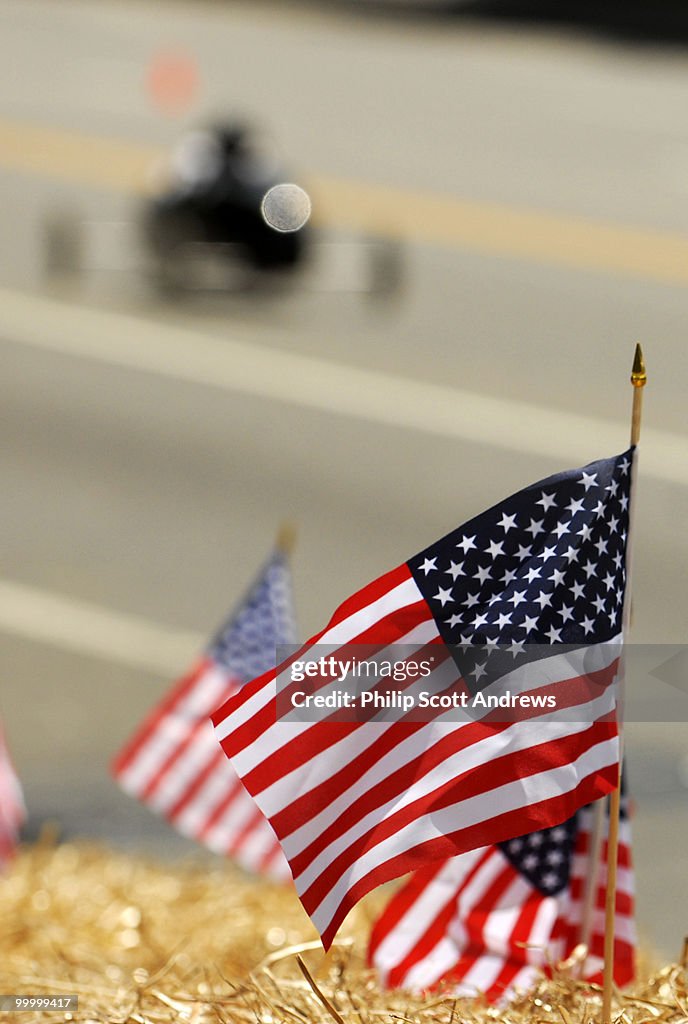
{"x": 286, "y": 538}
{"x": 638, "y": 380}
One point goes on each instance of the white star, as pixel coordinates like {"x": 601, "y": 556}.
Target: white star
{"x": 571, "y": 554}
{"x": 566, "y": 613}
{"x": 535, "y": 839}
{"x": 495, "y": 548}
{"x": 623, "y": 466}
{"x": 587, "y": 625}
{"x": 590, "y": 568}
{"x": 428, "y": 565}
{"x": 609, "y": 581}
{"x": 515, "y": 845}
{"x": 517, "y": 598}
{"x": 613, "y": 524}
{"x": 550, "y": 881}
{"x": 543, "y": 599}
{"x": 443, "y": 595}
{"x": 575, "y": 505}
{"x": 588, "y": 480}
{"x": 533, "y": 573}
{"x": 535, "y": 527}
{"x": 601, "y": 546}
{"x": 482, "y": 575}
{"x": 465, "y": 642}
{"x": 524, "y": 552}
{"x": 547, "y": 501}
{"x": 547, "y": 553}
{"x": 599, "y": 509}
{"x": 557, "y": 577}
{"x": 471, "y": 599}
{"x": 613, "y": 487}
{"x": 517, "y": 647}
{"x": 585, "y": 532}
{"x": 494, "y": 599}
{"x": 618, "y": 560}
{"x": 577, "y": 590}
{"x": 466, "y": 543}
{"x": 529, "y": 624}
{"x": 454, "y": 621}
{"x": 555, "y": 857}
{"x": 558, "y": 834}
{"x": 554, "y": 635}
{"x": 530, "y": 861}
{"x": 503, "y": 620}
{"x": 479, "y": 620}
{"x": 507, "y": 522}
{"x": 561, "y": 528}
{"x": 599, "y": 604}
{"x": 479, "y": 671}
{"x": 508, "y": 576}
{"x": 624, "y": 502}
{"x": 455, "y": 569}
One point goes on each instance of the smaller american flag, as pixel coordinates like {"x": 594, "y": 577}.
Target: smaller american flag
{"x": 491, "y": 920}
{"x": 12, "y": 811}
{"x": 174, "y": 764}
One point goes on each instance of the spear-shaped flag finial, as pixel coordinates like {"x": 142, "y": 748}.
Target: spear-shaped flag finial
{"x": 638, "y": 373}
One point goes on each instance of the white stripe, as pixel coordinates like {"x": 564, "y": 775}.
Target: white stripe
{"x": 192, "y": 818}
{"x": 243, "y": 367}
{"x": 411, "y": 927}
{"x": 225, "y": 830}
{"x": 173, "y": 727}
{"x": 432, "y": 967}
{"x": 517, "y": 738}
{"x": 184, "y": 770}
{"x": 514, "y": 795}
{"x": 303, "y": 779}
{"x": 401, "y": 596}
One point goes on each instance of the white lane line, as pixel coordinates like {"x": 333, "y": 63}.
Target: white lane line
{"x": 80, "y": 627}
{"x": 236, "y": 366}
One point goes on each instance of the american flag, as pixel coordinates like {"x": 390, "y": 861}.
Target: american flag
{"x": 12, "y": 811}
{"x": 356, "y": 804}
{"x": 173, "y": 763}
{"x": 491, "y": 920}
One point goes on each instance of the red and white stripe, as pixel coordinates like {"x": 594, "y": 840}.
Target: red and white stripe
{"x": 568, "y": 931}
{"x": 12, "y": 810}
{"x": 357, "y": 804}
{"x": 174, "y": 765}
{"x": 475, "y": 924}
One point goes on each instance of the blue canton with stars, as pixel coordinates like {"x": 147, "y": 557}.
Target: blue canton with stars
{"x": 545, "y": 857}
{"x": 246, "y": 644}
{"x": 546, "y": 566}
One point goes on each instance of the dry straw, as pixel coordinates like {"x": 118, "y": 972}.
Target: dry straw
{"x": 155, "y": 944}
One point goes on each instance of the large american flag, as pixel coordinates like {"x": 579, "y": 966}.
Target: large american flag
{"x": 356, "y": 804}
{"x": 12, "y": 811}
{"x": 491, "y": 920}
{"x": 173, "y": 763}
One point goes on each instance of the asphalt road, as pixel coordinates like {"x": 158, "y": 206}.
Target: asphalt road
{"x": 539, "y": 187}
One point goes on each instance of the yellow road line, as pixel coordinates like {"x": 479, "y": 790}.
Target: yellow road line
{"x": 490, "y": 228}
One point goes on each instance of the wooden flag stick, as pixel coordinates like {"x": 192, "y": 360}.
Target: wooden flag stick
{"x": 286, "y": 538}
{"x": 638, "y": 380}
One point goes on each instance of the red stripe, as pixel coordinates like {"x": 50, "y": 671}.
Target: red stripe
{"x": 220, "y": 808}
{"x": 481, "y": 780}
{"x": 150, "y": 724}
{"x": 398, "y": 624}
{"x": 216, "y": 762}
{"x": 504, "y": 826}
{"x": 435, "y": 931}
